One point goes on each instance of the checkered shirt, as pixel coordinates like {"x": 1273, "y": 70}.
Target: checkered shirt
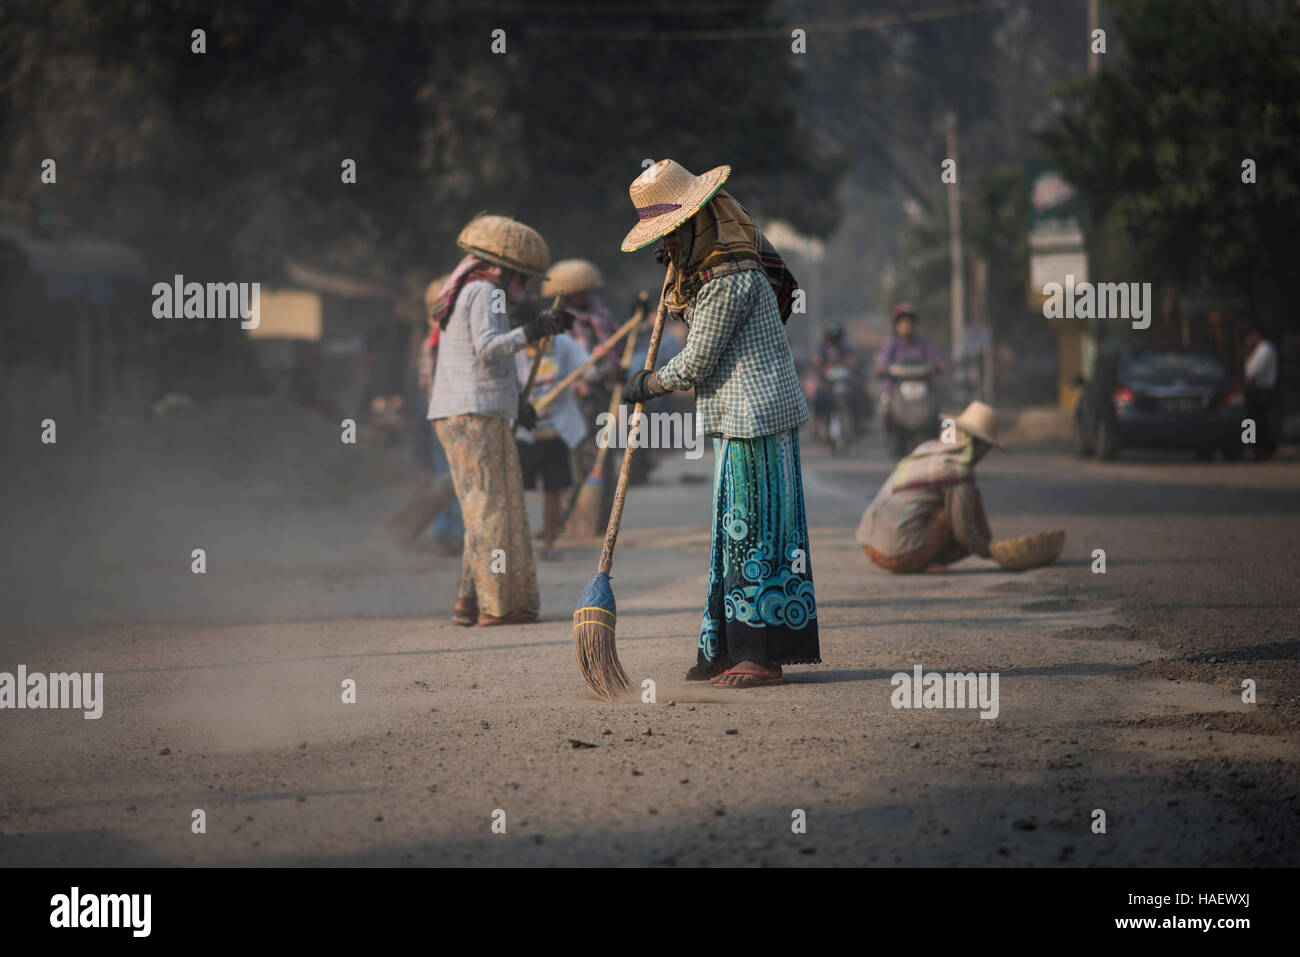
{"x": 738, "y": 360}
{"x": 476, "y": 366}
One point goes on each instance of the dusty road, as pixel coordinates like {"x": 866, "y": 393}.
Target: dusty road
{"x": 1118, "y": 691}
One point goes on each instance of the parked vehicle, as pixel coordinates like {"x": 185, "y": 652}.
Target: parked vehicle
{"x": 911, "y": 407}
{"x": 1161, "y": 398}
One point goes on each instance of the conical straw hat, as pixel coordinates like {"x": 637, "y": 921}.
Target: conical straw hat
{"x": 506, "y": 242}
{"x": 665, "y": 196}
{"x": 979, "y": 420}
{"x": 570, "y": 276}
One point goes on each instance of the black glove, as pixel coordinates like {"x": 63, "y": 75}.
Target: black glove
{"x": 549, "y": 322}
{"x": 641, "y": 387}
{"x": 526, "y": 416}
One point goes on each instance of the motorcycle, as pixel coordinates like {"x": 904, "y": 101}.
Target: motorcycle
{"x": 911, "y": 409}
{"x": 840, "y": 416}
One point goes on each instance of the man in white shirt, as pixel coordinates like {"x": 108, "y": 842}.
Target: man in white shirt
{"x": 1261, "y": 391}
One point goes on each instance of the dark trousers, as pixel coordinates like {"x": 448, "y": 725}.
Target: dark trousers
{"x": 1260, "y": 406}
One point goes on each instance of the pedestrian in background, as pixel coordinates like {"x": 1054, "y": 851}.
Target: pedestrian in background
{"x": 1261, "y": 391}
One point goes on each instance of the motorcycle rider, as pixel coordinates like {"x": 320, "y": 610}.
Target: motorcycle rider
{"x": 831, "y": 351}
{"x": 905, "y": 345}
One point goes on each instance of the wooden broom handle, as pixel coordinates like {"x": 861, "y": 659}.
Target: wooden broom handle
{"x": 543, "y": 346}
{"x": 620, "y": 492}
{"x": 599, "y": 467}
{"x": 597, "y": 354}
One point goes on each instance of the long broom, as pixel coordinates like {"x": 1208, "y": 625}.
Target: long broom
{"x": 589, "y": 524}
{"x": 595, "y": 617}
{"x": 602, "y": 350}
{"x": 588, "y": 506}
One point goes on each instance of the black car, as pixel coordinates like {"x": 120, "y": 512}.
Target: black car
{"x": 1162, "y": 398}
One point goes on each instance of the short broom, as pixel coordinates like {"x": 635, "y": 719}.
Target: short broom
{"x": 595, "y": 617}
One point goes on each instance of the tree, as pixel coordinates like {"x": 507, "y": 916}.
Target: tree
{"x": 1156, "y": 141}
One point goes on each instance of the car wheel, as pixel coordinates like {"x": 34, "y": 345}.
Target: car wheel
{"x": 1107, "y": 440}
{"x": 1233, "y": 452}
{"x": 1204, "y": 453}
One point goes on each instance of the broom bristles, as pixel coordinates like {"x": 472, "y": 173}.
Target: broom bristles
{"x": 597, "y": 654}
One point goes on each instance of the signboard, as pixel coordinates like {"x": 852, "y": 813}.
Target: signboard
{"x": 1056, "y": 247}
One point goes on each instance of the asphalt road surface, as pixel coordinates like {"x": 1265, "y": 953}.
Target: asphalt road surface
{"x": 1119, "y": 693}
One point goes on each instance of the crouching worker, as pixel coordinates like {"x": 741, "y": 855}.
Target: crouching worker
{"x": 475, "y": 401}
{"x": 929, "y": 513}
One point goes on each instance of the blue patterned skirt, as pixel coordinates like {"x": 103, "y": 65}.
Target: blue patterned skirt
{"x": 760, "y": 605}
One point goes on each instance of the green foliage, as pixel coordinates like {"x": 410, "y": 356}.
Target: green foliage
{"x": 228, "y": 162}
{"x": 1155, "y": 141}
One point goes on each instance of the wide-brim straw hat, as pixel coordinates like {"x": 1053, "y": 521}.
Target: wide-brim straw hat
{"x": 569, "y": 276}
{"x": 979, "y": 420}
{"x": 506, "y": 242}
{"x": 665, "y": 196}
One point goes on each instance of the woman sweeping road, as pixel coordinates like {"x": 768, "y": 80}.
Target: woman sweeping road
{"x": 476, "y": 400}
{"x": 734, "y": 292}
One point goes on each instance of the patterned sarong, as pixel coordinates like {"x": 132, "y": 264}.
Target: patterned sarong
{"x": 760, "y": 604}
{"x": 489, "y": 485}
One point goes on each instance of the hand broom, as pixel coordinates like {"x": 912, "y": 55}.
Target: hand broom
{"x": 595, "y": 617}
{"x": 588, "y": 507}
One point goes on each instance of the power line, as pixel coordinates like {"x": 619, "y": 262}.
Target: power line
{"x": 855, "y": 24}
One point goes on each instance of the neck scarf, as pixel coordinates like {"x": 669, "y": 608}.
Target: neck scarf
{"x": 726, "y": 240}
{"x": 470, "y": 268}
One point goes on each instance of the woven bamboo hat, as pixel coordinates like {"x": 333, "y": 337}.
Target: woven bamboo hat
{"x": 569, "y": 276}
{"x": 506, "y": 242}
{"x": 665, "y": 196}
{"x": 981, "y": 421}
{"x": 435, "y": 288}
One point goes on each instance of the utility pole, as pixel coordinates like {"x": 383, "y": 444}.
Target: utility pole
{"x": 1095, "y": 240}
{"x": 958, "y": 289}
{"x": 1094, "y": 24}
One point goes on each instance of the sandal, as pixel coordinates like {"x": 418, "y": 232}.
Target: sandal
{"x": 465, "y": 613}
{"x": 510, "y": 618}
{"x": 749, "y": 679}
